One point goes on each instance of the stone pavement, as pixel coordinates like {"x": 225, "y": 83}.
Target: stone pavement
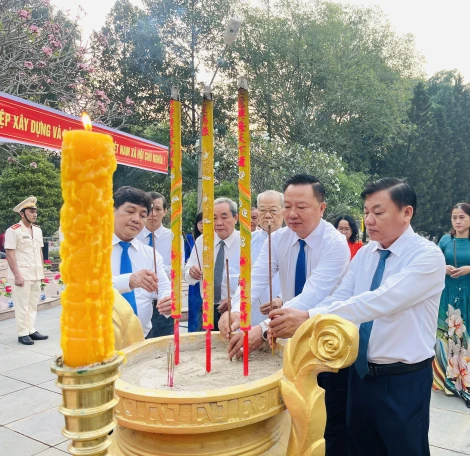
{"x": 30, "y": 423}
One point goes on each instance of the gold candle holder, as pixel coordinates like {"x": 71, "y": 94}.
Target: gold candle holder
{"x": 88, "y": 402}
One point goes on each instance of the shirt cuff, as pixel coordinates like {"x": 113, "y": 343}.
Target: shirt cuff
{"x": 121, "y": 283}
{"x": 317, "y": 311}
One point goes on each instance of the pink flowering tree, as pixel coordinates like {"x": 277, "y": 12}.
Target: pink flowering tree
{"x": 43, "y": 60}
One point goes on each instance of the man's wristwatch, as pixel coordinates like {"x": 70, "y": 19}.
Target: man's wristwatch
{"x": 264, "y": 330}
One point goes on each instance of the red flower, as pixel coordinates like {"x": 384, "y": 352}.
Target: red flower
{"x": 8, "y": 289}
{"x": 47, "y": 262}
{"x": 45, "y": 280}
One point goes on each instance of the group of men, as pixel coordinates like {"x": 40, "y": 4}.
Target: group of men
{"x": 391, "y": 290}
{"x": 147, "y": 288}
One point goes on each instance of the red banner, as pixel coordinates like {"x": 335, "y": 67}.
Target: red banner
{"x": 24, "y": 122}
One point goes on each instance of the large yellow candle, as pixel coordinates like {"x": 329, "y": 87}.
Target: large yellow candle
{"x": 244, "y": 190}
{"x": 207, "y": 135}
{"x": 88, "y": 164}
{"x": 176, "y": 203}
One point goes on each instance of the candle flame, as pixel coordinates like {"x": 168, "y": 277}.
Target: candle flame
{"x": 87, "y": 125}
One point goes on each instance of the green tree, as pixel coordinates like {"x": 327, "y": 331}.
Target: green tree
{"x": 31, "y": 174}
{"x": 426, "y": 159}
{"x": 274, "y": 161}
{"x": 326, "y": 74}
{"x": 131, "y": 66}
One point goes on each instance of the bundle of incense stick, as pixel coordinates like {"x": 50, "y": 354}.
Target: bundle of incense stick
{"x": 229, "y": 301}
{"x": 171, "y": 364}
{"x": 270, "y": 277}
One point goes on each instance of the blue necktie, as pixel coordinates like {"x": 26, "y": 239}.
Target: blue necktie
{"x": 361, "y": 364}
{"x": 150, "y": 236}
{"x": 300, "y": 269}
{"x": 126, "y": 268}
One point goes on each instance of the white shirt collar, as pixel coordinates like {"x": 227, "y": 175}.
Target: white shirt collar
{"x": 228, "y": 242}
{"x": 309, "y": 240}
{"x": 116, "y": 240}
{"x": 157, "y": 233}
{"x": 399, "y": 245}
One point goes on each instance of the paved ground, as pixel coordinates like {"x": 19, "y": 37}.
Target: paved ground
{"x": 30, "y": 423}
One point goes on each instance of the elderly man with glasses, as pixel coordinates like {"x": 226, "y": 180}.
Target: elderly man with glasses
{"x": 270, "y": 204}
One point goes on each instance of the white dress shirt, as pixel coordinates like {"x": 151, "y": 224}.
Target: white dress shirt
{"x": 232, "y": 252}
{"x": 141, "y": 258}
{"x": 257, "y": 241}
{"x": 404, "y": 308}
{"x": 162, "y": 240}
{"x": 327, "y": 257}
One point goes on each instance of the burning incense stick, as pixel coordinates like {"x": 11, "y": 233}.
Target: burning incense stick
{"x": 229, "y": 301}
{"x": 270, "y": 277}
{"x": 171, "y": 364}
{"x": 195, "y": 249}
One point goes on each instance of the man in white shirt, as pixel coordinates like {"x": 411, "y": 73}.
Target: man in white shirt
{"x": 161, "y": 235}
{"x": 392, "y": 291}
{"x": 227, "y": 238}
{"x": 132, "y": 262}
{"x": 154, "y": 233}
{"x": 255, "y": 220}
{"x": 270, "y": 204}
{"x": 311, "y": 256}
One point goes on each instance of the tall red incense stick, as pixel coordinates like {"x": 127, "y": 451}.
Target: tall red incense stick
{"x": 176, "y": 198}
{"x": 244, "y": 191}
{"x": 207, "y": 142}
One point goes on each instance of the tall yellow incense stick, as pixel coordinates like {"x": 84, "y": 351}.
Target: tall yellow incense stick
{"x": 244, "y": 191}
{"x": 207, "y": 135}
{"x": 176, "y": 214}
{"x": 88, "y": 164}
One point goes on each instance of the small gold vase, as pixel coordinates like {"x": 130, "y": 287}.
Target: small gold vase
{"x": 88, "y": 402}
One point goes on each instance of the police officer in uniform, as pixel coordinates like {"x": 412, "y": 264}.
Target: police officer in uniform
{"x": 23, "y": 243}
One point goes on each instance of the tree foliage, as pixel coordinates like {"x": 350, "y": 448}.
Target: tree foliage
{"x": 31, "y": 174}
{"x": 43, "y": 60}
{"x": 328, "y": 74}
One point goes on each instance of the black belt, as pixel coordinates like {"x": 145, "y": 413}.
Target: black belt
{"x": 397, "y": 368}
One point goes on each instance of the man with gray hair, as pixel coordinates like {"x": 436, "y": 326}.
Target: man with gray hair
{"x": 270, "y": 204}
{"x": 226, "y": 245}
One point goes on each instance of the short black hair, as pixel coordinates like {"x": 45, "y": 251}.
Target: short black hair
{"x": 156, "y": 195}
{"x": 400, "y": 191}
{"x": 132, "y": 195}
{"x": 352, "y": 225}
{"x": 307, "y": 179}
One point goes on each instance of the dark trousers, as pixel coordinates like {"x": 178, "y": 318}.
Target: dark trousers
{"x": 336, "y": 393}
{"x": 194, "y": 308}
{"x": 161, "y": 326}
{"x": 389, "y": 415}
{"x": 216, "y": 317}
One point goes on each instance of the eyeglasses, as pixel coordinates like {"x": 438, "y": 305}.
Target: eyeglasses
{"x": 273, "y": 211}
